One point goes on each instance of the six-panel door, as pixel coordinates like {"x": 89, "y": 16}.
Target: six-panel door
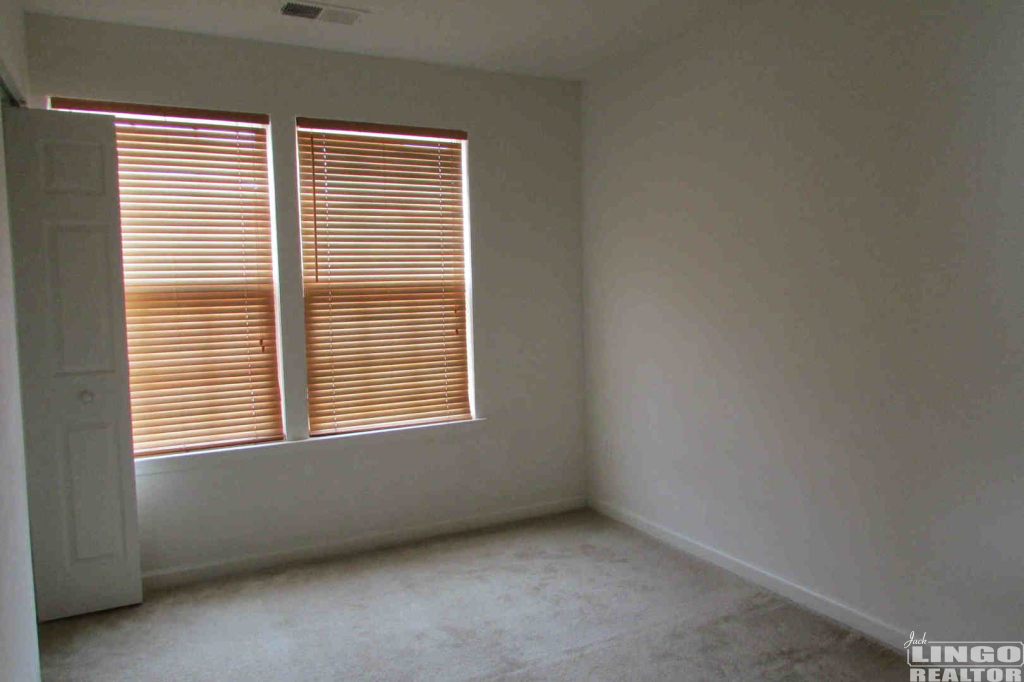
{"x": 65, "y": 233}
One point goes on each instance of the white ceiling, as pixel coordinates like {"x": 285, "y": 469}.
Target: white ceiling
{"x": 558, "y": 38}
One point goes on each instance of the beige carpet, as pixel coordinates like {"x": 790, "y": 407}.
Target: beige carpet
{"x": 571, "y": 597}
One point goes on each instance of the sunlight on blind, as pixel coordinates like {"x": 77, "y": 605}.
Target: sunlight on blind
{"x": 384, "y": 279}
{"x": 199, "y": 294}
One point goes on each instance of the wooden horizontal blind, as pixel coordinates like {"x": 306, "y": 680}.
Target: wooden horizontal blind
{"x": 384, "y": 278}
{"x": 199, "y": 295}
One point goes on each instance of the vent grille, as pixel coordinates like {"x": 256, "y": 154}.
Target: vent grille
{"x": 329, "y": 13}
{"x": 296, "y": 9}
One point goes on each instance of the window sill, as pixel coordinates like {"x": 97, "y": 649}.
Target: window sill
{"x": 218, "y": 457}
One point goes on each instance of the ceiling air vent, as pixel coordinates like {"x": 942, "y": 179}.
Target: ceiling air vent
{"x": 329, "y": 13}
{"x": 297, "y": 9}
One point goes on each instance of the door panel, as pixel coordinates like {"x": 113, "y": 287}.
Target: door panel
{"x": 69, "y": 288}
{"x": 80, "y": 303}
{"x": 90, "y": 455}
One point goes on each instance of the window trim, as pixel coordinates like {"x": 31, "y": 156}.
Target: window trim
{"x": 335, "y": 443}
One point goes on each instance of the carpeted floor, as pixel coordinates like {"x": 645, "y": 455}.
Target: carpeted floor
{"x": 570, "y": 597}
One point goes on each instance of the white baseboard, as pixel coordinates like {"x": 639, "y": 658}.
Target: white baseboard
{"x": 179, "y": 575}
{"x": 844, "y": 614}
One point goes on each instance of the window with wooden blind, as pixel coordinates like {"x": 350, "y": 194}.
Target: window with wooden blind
{"x": 198, "y": 269}
{"x": 384, "y": 273}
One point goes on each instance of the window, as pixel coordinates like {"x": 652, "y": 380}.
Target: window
{"x": 198, "y": 273}
{"x": 383, "y": 263}
{"x": 383, "y": 259}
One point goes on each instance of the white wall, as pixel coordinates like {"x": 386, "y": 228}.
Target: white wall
{"x": 804, "y": 309}
{"x": 13, "y": 61}
{"x": 19, "y": 651}
{"x": 526, "y": 456}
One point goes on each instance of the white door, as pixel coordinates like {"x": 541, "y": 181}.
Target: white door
{"x": 66, "y": 239}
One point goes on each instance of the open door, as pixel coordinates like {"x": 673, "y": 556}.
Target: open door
{"x": 69, "y": 290}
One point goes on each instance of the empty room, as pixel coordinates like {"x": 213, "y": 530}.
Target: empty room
{"x": 550, "y": 340}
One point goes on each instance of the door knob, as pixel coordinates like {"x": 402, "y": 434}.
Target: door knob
{"x": 85, "y": 396}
